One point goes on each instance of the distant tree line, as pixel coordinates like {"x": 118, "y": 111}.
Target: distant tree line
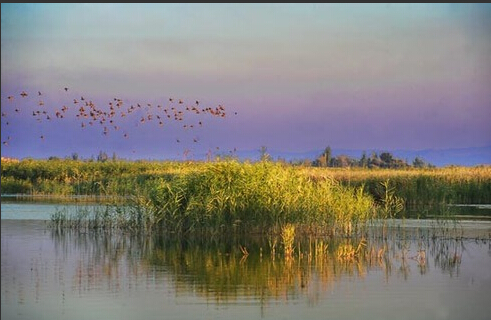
{"x": 101, "y": 157}
{"x": 326, "y": 159}
{"x": 382, "y": 160}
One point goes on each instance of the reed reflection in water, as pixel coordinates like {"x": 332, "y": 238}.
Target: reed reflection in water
{"x": 114, "y": 275}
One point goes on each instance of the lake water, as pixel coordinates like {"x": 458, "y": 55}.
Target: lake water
{"x": 418, "y": 269}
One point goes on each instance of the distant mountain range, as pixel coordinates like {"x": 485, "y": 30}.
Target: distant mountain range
{"x": 437, "y": 157}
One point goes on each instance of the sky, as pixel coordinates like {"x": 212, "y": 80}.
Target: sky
{"x": 288, "y": 77}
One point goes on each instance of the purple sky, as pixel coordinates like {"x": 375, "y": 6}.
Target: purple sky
{"x": 299, "y": 76}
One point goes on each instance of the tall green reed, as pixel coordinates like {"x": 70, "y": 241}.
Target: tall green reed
{"x": 255, "y": 197}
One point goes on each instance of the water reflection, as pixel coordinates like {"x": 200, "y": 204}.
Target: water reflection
{"x": 86, "y": 274}
{"x": 225, "y": 270}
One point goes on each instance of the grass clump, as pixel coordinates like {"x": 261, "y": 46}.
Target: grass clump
{"x": 255, "y": 197}
{"x": 109, "y": 217}
{"x": 288, "y": 237}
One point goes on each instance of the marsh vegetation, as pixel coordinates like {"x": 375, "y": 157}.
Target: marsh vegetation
{"x": 242, "y": 197}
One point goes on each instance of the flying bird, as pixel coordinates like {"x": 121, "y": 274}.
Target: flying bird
{"x": 107, "y": 115}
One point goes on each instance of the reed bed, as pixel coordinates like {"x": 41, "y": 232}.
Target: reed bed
{"x": 418, "y": 187}
{"x": 232, "y": 196}
{"x": 255, "y": 197}
{"x": 75, "y": 177}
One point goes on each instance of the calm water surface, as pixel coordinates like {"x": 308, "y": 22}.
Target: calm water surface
{"x": 419, "y": 269}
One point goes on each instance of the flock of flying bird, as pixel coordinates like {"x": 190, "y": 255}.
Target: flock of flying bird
{"x": 107, "y": 117}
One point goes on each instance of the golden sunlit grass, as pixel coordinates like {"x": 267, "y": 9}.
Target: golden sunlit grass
{"x": 450, "y": 174}
{"x": 418, "y": 186}
{"x": 254, "y": 197}
{"x": 288, "y": 238}
{"x": 264, "y": 196}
